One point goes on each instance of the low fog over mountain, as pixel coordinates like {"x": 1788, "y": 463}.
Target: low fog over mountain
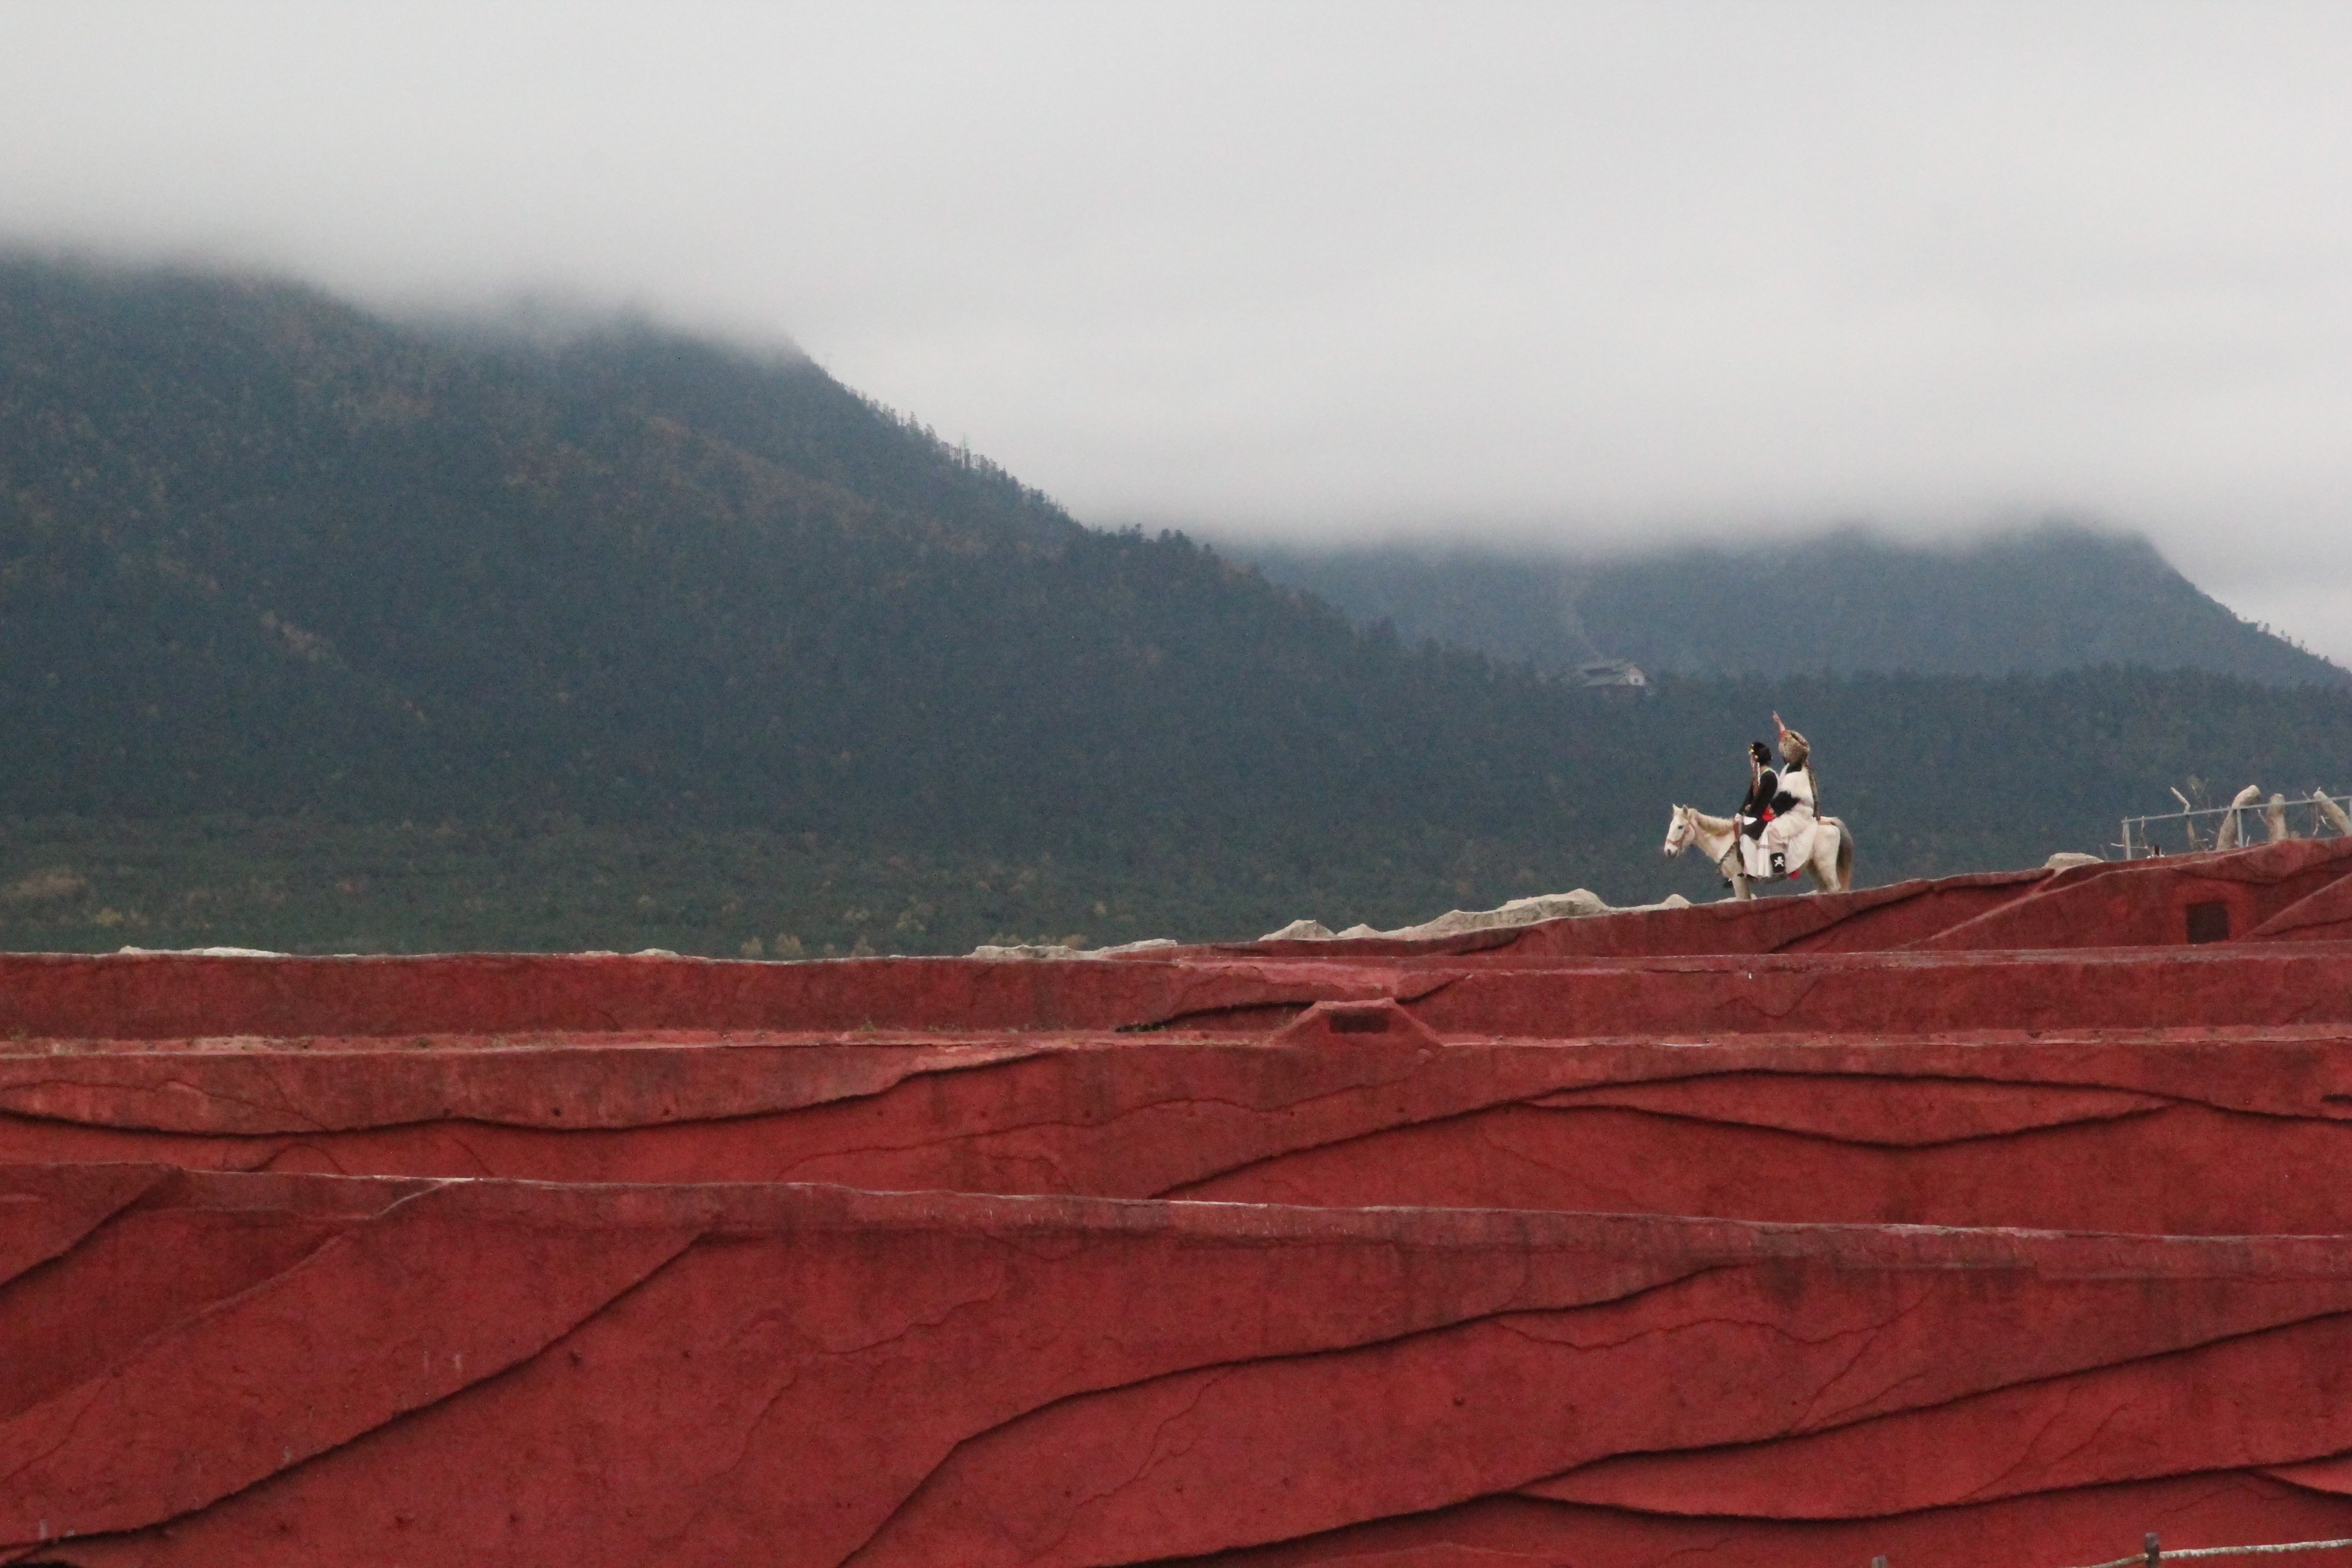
{"x": 2040, "y": 600}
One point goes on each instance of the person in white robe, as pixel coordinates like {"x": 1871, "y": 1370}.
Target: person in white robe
{"x": 1789, "y": 835}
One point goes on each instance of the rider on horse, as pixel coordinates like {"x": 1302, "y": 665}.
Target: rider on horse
{"x": 1778, "y": 832}
{"x": 1777, "y": 820}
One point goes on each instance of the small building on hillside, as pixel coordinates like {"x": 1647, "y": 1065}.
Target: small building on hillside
{"x": 1613, "y": 674}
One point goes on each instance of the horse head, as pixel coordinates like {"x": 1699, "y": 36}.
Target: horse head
{"x": 1678, "y": 832}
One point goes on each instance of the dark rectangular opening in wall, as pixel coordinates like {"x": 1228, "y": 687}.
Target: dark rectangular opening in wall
{"x": 2208, "y": 922}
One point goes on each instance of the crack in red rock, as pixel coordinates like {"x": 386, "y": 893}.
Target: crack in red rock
{"x": 94, "y": 1389}
{"x": 2064, "y": 1383}
{"x": 1261, "y": 1161}
{"x": 1151, "y": 1453}
{"x": 1005, "y": 1056}
{"x": 1873, "y": 1334}
{"x": 1257, "y": 1111}
{"x": 513, "y": 1369}
{"x": 1586, "y": 1097}
{"x": 159, "y": 1176}
{"x": 2027, "y": 1451}
{"x": 482, "y": 1166}
{"x": 1272, "y": 1161}
{"x": 300, "y": 1146}
{"x": 145, "y": 1086}
{"x": 1658, "y": 1330}
{"x": 1397, "y": 992}
{"x": 1491, "y": 1317}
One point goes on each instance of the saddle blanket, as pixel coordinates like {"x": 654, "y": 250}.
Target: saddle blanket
{"x": 1792, "y": 835}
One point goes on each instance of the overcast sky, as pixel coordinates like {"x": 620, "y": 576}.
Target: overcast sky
{"x": 1596, "y": 273}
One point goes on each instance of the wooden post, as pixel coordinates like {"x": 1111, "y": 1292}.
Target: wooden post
{"x": 2155, "y": 1549}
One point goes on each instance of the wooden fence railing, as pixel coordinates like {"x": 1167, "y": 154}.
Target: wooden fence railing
{"x": 2152, "y": 1552}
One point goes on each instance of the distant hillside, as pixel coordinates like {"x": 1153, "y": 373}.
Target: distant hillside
{"x": 2036, "y": 601}
{"x": 261, "y": 553}
{"x": 319, "y": 629}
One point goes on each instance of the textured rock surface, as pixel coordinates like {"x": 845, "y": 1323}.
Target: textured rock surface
{"x": 2189, "y": 1132}
{"x": 1518, "y": 912}
{"x": 1575, "y": 1243}
{"x": 388, "y": 1370}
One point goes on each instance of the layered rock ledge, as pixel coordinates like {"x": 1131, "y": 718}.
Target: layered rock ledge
{"x": 1991, "y": 1219}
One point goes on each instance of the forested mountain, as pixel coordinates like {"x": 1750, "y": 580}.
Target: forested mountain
{"x": 317, "y": 627}
{"x": 2033, "y": 601}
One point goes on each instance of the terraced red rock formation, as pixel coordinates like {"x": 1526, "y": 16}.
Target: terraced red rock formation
{"x": 1591, "y": 1242}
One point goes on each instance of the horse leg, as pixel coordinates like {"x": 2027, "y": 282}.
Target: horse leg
{"x": 1735, "y": 873}
{"x": 1827, "y": 874}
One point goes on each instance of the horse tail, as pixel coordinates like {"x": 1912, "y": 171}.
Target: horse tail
{"x": 1845, "y": 853}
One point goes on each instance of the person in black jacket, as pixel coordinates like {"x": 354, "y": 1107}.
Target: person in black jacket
{"x": 1763, "y": 786}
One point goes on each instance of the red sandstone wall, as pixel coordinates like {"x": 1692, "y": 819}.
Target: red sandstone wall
{"x": 382, "y": 1372}
{"x": 1445, "y": 1303}
{"x": 174, "y": 997}
{"x": 2149, "y": 1132}
{"x": 2108, "y": 945}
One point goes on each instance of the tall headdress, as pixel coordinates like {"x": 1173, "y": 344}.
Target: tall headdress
{"x": 1794, "y": 748}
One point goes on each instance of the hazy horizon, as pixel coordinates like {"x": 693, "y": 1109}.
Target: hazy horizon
{"x": 1517, "y": 274}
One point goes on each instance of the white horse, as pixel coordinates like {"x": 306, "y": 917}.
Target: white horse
{"x": 1717, "y": 838}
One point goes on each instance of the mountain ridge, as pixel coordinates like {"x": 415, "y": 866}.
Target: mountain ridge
{"x": 277, "y": 572}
